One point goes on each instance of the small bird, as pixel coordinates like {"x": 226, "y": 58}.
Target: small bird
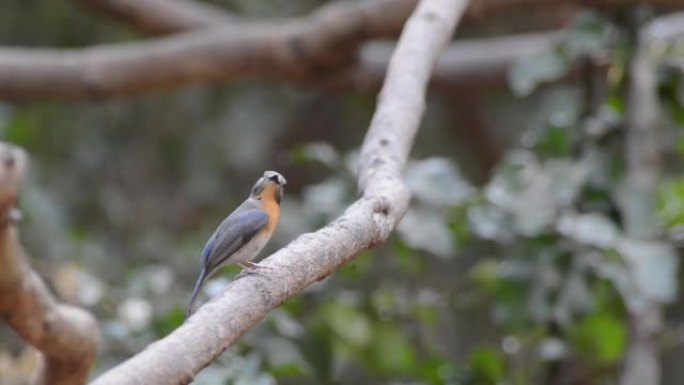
{"x": 245, "y": 232}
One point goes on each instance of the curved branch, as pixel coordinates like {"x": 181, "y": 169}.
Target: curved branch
{"x": 298, "y": 51}
{"x": 163, "y": 17}
{"x": 213, "y": 56}
{"x": 67, "y": 336}
{"x": 312, "y": 257}
{"x": 320, "y": 51}
{"x": 381, "y": 18}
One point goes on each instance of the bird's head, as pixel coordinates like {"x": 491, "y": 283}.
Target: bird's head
{"x": 271, "y": 186}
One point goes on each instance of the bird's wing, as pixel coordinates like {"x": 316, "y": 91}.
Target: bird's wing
{"x": 232, "y": 234}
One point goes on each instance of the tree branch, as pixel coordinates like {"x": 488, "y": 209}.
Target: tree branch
{"x": 638, "y": 202}
{"x": 158, "y": 17}
{"x": 218, "y": 55}
{"x": 299, "y": 50}
{"x": 162, "y": 17}
{"x": 67, "y": 336}
{"x": 381, "y": 18}
{"x": 311, "y": 257}
{"x": 465, "y": 64}
{"x": 319, "y": 50}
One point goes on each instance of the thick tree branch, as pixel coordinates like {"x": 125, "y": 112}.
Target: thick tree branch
{"x": 380, "y": 18}
{"x": 299, "y": 50}
{"x": 319, "y": 50}
{"x": 218, "y": 55}
{"x": 67, "y": 336}
{"x": 163, "y": 16}
{"x": 312, "y": 257}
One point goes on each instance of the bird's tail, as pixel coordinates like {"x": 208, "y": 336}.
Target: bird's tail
{"x": 195, "y": 292}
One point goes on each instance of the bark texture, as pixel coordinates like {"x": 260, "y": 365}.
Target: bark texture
{"x": 311, "y": 257}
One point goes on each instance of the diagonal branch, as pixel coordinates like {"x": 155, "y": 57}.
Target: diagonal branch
{"x": 311, "y": 257}
{"x": 67, "y": 336}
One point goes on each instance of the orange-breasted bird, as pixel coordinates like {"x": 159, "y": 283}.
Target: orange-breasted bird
{"x": 245, "y": 232}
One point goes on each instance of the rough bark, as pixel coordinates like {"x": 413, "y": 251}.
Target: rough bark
{"x": 312, "y": 257}
{"x": 67, "y": 336}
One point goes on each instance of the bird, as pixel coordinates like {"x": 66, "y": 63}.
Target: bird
{"x": 244, "y": 233}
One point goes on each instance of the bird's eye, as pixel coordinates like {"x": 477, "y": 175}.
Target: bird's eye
{"x": 275, "y": 179}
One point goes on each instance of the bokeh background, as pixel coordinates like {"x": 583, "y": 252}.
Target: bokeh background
{"x": 512, "y": 266}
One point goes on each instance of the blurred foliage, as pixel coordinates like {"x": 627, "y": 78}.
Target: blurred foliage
{"x": 518, "y": 281}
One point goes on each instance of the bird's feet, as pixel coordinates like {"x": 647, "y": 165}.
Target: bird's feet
{"x": 249, "y": 267}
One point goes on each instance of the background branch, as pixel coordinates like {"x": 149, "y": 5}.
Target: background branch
{"x": 163, "y": 17}
{"x": 465, "y": 64}
{"x": 218, "y": 56}
{"x": 67, "y": 336}
{"x": 643, "y": 175}
{"x": 312, "y": 257}
{"x": 320, "y": 50}
{"x": 299, "y": 50}
{"x": 382, "y": 18}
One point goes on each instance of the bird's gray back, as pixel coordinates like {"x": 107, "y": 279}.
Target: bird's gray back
{"x": 234, "y": 232}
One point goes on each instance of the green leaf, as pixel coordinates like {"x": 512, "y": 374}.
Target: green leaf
{"x": 168, "y": 322}
{"x": 348, "y": 323}
{"x": 486, "y": 274}
{"x": 616, "y": 104}
{"x": 488, "y": 365}
{"x": 670, "y": 203}
{"x": 671, "y": 93}
{"x": 360, "y": 266}
{"x": 289, "y": 370}
{"x": 600, "y": 338}
{"x": 438, "y": 371}
{"x": 391, "y": 353}
{"x": 556, "y": 141}
{"x": 21, "y": 130}
{"x": 427, "y": 314}
{"x": 409, "y": 260}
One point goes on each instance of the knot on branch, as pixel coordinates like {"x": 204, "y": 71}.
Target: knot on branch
{"x": 13, "y": 164}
